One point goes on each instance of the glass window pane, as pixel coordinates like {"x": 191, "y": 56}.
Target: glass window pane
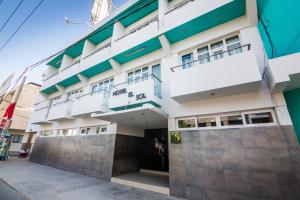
{"x": 203, "y": 55}
{"x": 186, "y": 123}
{"x": 233, "y": 39}
{"x": 137, "y": 75}
{"x": 206, "y": 122}
{"x": 259, "y": 118}
{"x": 232, "y": 120}
{"x": 187, "y": 61}
{"x": 217, "y": 45}
{"x": 145, "y": 73}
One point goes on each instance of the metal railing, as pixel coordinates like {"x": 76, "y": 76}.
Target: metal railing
{"x": 140, "y": 27}
{"x": 97, "y": 50}
{"x": 70, "y": 66}
{"x": 52, "y": 75}
{"x": 141, "y": 79}
{"x": 93, "y": 93}
{"x": 179, "y": 5}
{"x": 215, "y": 56}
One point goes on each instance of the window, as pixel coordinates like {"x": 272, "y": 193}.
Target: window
{"x": 233, "y": 45}
{"x": 73, "y": 94}
{"x": 217, "y": 50}
{"x": 17, "y": 139}
{"x": 138, "y": 75}
{"x": 55, "y": 100}
{"x": 203, "y": 55}
{"x": 231, "y": 120}
{"x": 259, "y": 118}
{"x": 102, "y": 87}
{"x": 187, "y": 61}
{"x": 206, "y": 122}
{"x": 187, "y": 123}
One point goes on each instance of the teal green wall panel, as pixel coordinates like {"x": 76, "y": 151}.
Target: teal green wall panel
{"x": 135, "y": 106}
{"x": 293, "y": 102}
{"x": 69, "y": 81}
{"x": 141, "y": 50}
{"x": 137, "y": 15}
{"x": 50, "y": 90}
{"x": 96, "y": 69}
{"x": 283, "y": 25}
{"x": 204, "y": 22}
{"x": 56, "y": 62}
{"x": 75, "y": 50}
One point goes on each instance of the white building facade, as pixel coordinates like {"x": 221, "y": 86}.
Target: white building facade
{"x": 187, "y": 67}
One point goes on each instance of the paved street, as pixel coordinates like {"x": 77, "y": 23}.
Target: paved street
{"x": 38, "y": 182}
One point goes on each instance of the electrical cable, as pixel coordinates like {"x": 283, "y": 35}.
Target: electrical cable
{"x": 11, "y": 15}
{"x": 33, "y": 66}
{"x": 25, "y": 20}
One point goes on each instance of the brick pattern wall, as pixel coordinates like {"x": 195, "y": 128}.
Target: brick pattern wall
{"x": 250, "y": 163}
{"x": 91, "y": 155}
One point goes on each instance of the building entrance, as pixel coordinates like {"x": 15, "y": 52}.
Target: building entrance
{"x": 143, "y": 162}
{"x": 155, "y": 150}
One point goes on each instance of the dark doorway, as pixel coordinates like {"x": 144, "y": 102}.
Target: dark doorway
{"x": 155, "y": 150}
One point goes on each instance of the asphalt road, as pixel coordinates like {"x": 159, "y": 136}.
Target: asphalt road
{"x": 8, "y": 193}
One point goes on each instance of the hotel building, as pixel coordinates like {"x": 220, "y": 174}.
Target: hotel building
{"x": 181, "y": 90}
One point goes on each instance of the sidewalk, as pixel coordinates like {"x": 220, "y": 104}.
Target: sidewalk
{"x": 39, "y": 182}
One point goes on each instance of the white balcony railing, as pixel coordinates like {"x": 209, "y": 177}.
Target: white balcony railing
{"x": 96, "y": 102}
{"x": 61, "y": 110}
{"x": 97, "y": 56}
{"x": 137, "y": 36}
{"x": 188, "y": 10}
{"x": 40, "y": 113}
{"x": 68, "y": 72}
{"x": 228, "y": 73}
{"x": 136, "y": 92}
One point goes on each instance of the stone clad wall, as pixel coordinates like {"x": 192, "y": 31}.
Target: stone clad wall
{"x": 91, "y": 155}
{"x": 248, "y": 163}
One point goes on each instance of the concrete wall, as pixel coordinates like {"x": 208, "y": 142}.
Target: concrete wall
{"x": 248, "y": 163}
{"x": 127, "y": 154}
{"x": 90, "y": 155}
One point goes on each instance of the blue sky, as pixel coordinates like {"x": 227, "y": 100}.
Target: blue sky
{"x": 44, "y": 33}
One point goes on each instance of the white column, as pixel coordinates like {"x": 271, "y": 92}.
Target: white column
{"x": 163, "y": 7}
{"x": 281, "y": 109}
{"x": 66, "y": 61}
{"x": 251, "y": 12}
{"x": 87, "y": 48}
{"x": 118, "y": 31}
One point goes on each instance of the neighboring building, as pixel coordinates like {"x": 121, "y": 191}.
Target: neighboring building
{"x": 178, "y": 87}
{"x": 281, "y": 37}
{"x": 21, "y": 140}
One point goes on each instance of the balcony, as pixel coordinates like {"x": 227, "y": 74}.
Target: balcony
{"x": 40, "y": 113}
{"x": 68, "y": 72}
{"x": 49, "y": 81}
{"x": 145, "y": 90}
{"x": 60, "y": 111}
{"x": 137, "y": 36}
{"x": 284, "y": 73}
{"x": 190, "y": 17}
{"x": 228, "y": 73}
{"x": 90, "y": 103}
{"x": 97, "y": 56}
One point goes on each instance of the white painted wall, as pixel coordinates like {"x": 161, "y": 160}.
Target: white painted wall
{"x": 245, "y": 26}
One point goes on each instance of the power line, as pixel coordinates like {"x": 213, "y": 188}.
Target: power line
{"x": 36, "y": 7}
{"x": 31, "y": 67}
{"x": 11, "y": 15}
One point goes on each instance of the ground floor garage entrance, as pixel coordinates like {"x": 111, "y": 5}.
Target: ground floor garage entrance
{"x": 142, "y": 162}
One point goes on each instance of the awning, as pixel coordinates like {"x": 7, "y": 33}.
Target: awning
{"x": 146, "y": 116}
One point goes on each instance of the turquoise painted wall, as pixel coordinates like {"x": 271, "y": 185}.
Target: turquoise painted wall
{"x": 293, "y": 101}
{"x": 282, "y": 20}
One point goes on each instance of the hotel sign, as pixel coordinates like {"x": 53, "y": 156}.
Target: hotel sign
{"x": 138, "y": 96}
